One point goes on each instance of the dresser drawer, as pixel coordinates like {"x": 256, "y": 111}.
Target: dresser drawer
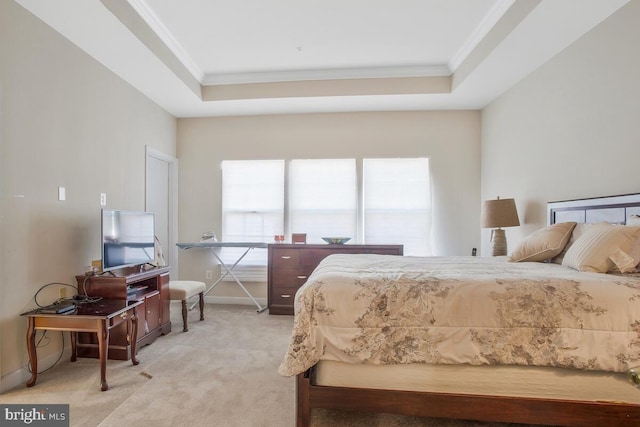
{"x": 283, "y": 296}
{"x": 285, "y": 258}
{"x": 116, "y": 320}
{"x": 283, "y": 277}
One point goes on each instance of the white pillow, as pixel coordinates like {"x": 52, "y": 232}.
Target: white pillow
{"x": 578, "y": 231}
{"x": 592, "y": 250}
{"x": 543, "y": 244}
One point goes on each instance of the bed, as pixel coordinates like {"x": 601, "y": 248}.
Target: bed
{"x": 542, "y": 337}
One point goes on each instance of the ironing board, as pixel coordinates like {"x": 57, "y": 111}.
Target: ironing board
{"x": 228, "y": 270}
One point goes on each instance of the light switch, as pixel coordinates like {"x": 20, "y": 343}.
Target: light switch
{"x": 62, "y": 194}
{"x": 103, "y": 199}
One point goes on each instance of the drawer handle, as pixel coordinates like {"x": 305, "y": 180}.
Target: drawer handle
{"x": 302, "y": 277}
{"x": 123, "y": 316}
{"x": 285, "y": 296}
{"x": 285, "y": 257}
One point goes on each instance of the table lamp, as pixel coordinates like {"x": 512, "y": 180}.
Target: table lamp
{"x": 497, "y": 214}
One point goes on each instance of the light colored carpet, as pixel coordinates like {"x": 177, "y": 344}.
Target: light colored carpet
{"x": 223, "y": 372}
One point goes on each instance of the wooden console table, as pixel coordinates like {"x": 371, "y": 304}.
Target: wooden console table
{"x": 96, "y": 317}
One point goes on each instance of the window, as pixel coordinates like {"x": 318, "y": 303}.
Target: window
{"x": 397, "y": 203}
{"x": 323, "y": 197}
{"x": 252, "y": 211}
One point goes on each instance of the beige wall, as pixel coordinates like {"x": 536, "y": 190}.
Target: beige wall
{"x": 449, "y": 139}
{"x": 569, "y": 130}
{"x": 65, "y": 120}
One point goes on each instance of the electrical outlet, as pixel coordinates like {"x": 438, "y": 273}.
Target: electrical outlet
{"x": 208, "y": 274}
{"x": 62, "y": 292}
{"x": 103, "y": 199}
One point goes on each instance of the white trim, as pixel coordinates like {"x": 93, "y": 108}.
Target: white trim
{"x": 19, "y": 377}
{"x": 488, "y": 22}
{"x": 172, "y": 259}
{"x": 152, "y": 152}
{"x": 326, "y": 74}
{"x": 146, "y": 13}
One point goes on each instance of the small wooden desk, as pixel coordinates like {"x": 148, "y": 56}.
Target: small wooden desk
{"x": 97, "y": 317}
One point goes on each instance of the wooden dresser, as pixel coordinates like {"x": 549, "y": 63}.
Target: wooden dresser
{"x": 290, "y": 265}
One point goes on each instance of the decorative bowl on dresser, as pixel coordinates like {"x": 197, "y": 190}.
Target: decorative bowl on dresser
{"x": 291, "y": 264}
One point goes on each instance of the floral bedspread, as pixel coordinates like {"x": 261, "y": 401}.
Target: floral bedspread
{"x": 384, "y": 309}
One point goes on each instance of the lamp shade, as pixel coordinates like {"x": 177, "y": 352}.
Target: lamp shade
{"x": 499, "y": 213}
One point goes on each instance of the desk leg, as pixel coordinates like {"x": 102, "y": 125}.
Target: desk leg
{"x": 103, "y": 346}
{"x": 134, "y": 336}
{"x": 31, "y": 348}
{"x": 74, "y": 341}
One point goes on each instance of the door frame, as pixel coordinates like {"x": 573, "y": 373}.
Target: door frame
{"x": 172, "y": 162}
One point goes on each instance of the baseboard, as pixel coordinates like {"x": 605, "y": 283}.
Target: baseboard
{"x": 234, "y": 300}
{"x": 20, "y": 377}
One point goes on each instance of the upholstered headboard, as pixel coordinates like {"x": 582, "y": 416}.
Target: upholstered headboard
{"x": 613, "y": 209}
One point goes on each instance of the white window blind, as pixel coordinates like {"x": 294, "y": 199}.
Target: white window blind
{"x": 252, "y": 211}
{"x": 397, "y": 203}
{"x": 323, "y": 198}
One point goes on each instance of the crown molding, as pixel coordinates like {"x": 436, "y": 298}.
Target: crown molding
{"x": 327, "y": 74}
{"x": 438, "y": 70}
{"x": 324, "y": 88}
{"x": 488, "y": 22}
{"x": 146, "y": 13}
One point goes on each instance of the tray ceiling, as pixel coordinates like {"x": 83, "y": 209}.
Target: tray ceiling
{"x": 226, "y": 57}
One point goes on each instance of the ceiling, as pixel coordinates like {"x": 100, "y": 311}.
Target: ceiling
{"x": 199, "y": 58}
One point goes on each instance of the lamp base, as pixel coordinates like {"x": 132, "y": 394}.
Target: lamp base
{"x": 499, "y": 242}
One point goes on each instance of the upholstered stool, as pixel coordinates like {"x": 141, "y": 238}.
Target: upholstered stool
{"x": 182, "y": 290}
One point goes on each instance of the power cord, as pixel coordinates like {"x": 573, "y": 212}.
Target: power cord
{"x": 76, "y": 299}
{"x": 86, "y": 298}
{"x": 39, "y": 345}
{"x": 59, "y": 300}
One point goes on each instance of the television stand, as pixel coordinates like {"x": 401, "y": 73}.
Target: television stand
{"x": 150, "y": 286}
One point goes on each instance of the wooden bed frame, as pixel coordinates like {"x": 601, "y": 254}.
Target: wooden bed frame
{"x": 543, "y": 411}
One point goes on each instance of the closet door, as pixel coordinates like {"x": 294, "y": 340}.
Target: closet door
{"x": 161, "y": 199}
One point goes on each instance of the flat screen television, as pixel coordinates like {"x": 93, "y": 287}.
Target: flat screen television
{"x": 128, "y": 238}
